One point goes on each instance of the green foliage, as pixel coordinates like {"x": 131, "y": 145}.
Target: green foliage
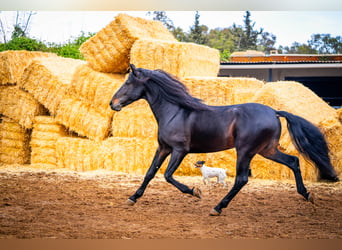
{"x": 23, "y": 43}
{"x": 70, "y": 49}
{"x": 198, "y": 33}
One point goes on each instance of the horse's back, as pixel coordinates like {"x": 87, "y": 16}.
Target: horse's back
{"x": 256, "y": 123}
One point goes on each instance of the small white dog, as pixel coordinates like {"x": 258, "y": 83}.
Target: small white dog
{"x": 209, "y": 172}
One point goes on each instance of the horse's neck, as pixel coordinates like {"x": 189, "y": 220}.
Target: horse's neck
{"x": 163, "y": 110}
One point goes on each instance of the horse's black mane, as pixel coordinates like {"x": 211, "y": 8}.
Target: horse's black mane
{"x": 167, "y": 86}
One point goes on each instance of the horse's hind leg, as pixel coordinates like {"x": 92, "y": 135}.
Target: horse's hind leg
{"x": 241, "y": 179}
{"x": 293, "y": 163}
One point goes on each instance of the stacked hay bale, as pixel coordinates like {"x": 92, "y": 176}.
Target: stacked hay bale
{"x": 85, "y": 108}
{"x": 124, "y": 154}
{"x": 14, "y": 142}
{"x": 223, "y": 90}
{"x": 180, "y": 59}
{"x": 44, "y": 136}
{"x": 48, "y": 79}
{"x": 78, "y": 154}
{"x": 295, "y": 98}
{"x": 108, "y": 51}
{"x": 13, "y": 63}
{"x": 19, "y": 105}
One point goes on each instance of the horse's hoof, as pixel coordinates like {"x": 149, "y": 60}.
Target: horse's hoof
{"x": 197, "y": 193}
{"x": 311, "y": 198}
{"x": 214, "y": 212}
{"x": 129, "y": 202}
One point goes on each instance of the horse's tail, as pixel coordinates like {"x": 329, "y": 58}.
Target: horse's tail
{"x": 310, "y": 142}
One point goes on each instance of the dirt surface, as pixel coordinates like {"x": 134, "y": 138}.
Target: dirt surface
{"x": 65, "y": 204}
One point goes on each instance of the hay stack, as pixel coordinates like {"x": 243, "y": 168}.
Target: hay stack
{"x": 77, "y": 154}
{"x": 339, "y": 114}
{"x": 14, "y": 142}
{"x": 94, "y": 87}
{"x": 83, "y": 118}
{"x": 295, "y": 98}
{"x": 45, "y": 133}
{"x": 115, "y": 153}
{"x": 85, "y": 109}
{"x": 19, "y": 105}
{"x": 180, "y": 59}
{"x": 108, "y": 51}
{"x": 223, "y": 90}
{"x": 47, "y": 79}
{"x": 13, "y": 63}
{"x": 135, "y": 120}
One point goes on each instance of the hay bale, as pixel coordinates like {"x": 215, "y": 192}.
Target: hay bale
{"x": 295, "y": 98}
{"x": 19, "y": 105}
{"x": 13, "y": 63}
{"x": 94, "y": 87}
{"x": 222, "y": 90}
{"x": 339, "y": 114}
{"x": 14, "y": 143}
{"x": 332, "y": 130}
{"x": 83, "y": 118}
{"x": 135, "y": 120}
{"x": 45, "y": 133}
{"x": 77, "y": 153}
{"x": 129, "y": 155}
{"x": 177, "y": 58}
{"x": 108, "y": 50}
{"x": 48, "y": 79}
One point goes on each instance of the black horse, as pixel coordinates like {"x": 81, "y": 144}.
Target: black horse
{"x": 186, "y": 125}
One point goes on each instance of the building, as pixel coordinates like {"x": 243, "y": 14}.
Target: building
{"x": 321, "y": 73}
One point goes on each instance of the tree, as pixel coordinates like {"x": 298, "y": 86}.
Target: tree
{"x": 266, "y": 42}
{"x": 297, "y": 48}
{"x": 198, "y": 33}
{"x": 326, "y": 44}
{"x": 222, "y": 39}
{"x": 162, "y": 17}
{"x": 19, "y": 28}
{"x": 246, "y": 37}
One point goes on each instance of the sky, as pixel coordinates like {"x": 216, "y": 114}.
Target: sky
{"x": 288, "y": 26}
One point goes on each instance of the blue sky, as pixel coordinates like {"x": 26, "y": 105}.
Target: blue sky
{"x": 288, "y": 26}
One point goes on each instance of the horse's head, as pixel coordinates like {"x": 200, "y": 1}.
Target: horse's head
{"x": 133, "y": 89}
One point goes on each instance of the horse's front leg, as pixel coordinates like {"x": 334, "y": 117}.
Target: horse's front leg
{"x": 158, "y": 160}
{"x": 176, "y": 159}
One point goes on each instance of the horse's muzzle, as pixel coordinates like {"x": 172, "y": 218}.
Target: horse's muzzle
{"x": 115, "y": 105}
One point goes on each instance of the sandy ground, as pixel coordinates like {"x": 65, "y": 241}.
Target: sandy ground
{"x": 64, "y": 204}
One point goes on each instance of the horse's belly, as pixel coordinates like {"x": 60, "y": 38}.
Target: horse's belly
{"x": 211, "y": 145}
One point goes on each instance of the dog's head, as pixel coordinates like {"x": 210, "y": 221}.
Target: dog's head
{"x": 199, "y": 164}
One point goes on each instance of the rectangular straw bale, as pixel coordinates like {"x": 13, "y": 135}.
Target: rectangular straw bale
{"x": 295, "y": 98}
{"x": 83, "y": 119}
{"x": 13, "y": 63}
{"x": 129, "y": 155}
{"x": 48, "y": 79}
{"x": 77, "y": 154}
{"x": 178, "y": 58}
{"x": 135, "y": 120}
{"x": 19, "y": 105}
{"x": 14, "y": 143}
{"x": 339, "y": 114}
{"x": 94, "y": 87}
{"x": 222, "y": 90}
{"x": 108, "y": 50}
{"x": 45, "y": 133}
{"x": 332, "y": 130}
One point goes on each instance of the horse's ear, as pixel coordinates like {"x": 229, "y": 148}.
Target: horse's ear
{"x": 133, "y": 69}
